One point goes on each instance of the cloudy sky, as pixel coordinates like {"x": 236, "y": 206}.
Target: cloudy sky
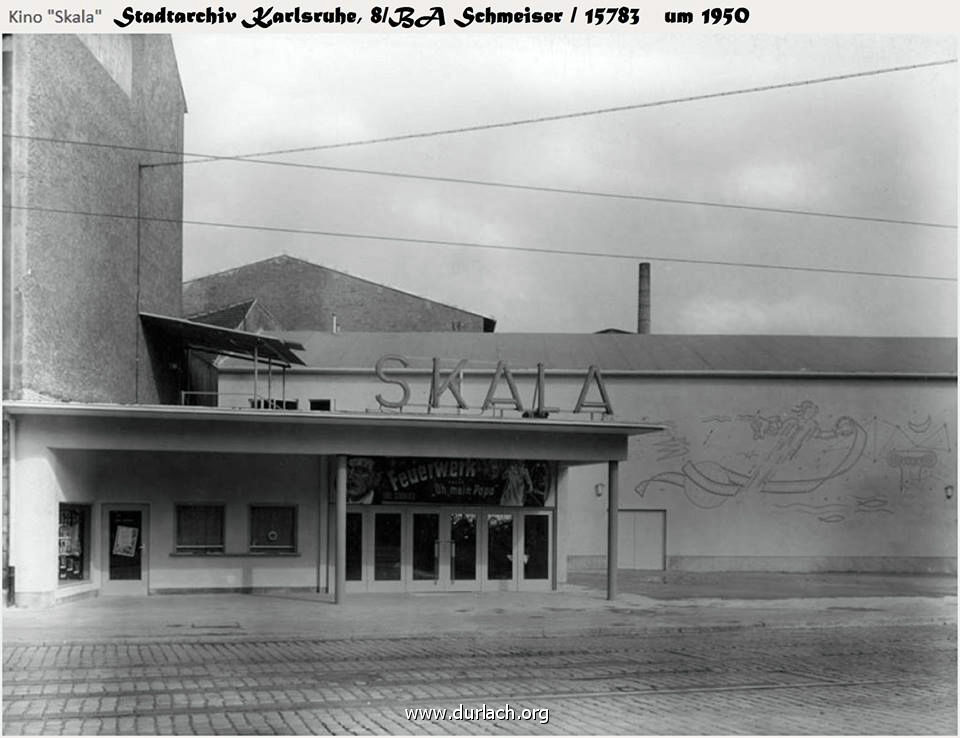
{"x": 881, "y": 146}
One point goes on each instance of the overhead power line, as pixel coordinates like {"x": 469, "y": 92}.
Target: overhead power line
{"x": 598, "y": 111}
{"x": 617, "y": 195}
{"x": 530, "y": 121}
{"x": 522, "y": 187}
{"x": 472, "y": 245}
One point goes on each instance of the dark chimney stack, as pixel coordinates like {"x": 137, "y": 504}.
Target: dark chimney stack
{"x": 643, "y": 299}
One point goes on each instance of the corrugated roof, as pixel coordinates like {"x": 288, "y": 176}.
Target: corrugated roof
{"x": 633, "y": 352}
{"x": 223, "y": 340}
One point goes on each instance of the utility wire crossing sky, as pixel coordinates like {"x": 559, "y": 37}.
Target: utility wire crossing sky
{"x": 779, "y": 184}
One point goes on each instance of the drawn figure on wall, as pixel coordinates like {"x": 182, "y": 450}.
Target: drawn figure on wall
{"x": 915, "y": 449}
{"x": 669, "y": 445}
{"x": 792, "y": 434}
{"x": 796, "y": 456}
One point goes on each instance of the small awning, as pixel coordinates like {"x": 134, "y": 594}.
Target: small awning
{"x": 202, "y": 337}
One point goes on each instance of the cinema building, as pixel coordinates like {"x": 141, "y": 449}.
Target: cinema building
{"x": 479, "y": 473}
{"x": 774, "y": 453}
{"x": 145, "y": 453}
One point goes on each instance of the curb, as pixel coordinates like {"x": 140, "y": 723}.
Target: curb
{"x": 478, "y": 635}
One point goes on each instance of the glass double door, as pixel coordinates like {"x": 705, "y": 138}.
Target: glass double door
{"x": 443, "y": 551}
{"x": 439, "y": 549}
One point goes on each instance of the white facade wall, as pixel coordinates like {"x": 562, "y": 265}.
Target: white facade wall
{"x": 236, "y": 481}
{"x": 33, "y": 540}
{"x": 99, "y": 479}
{"x": 752, "y": 472}
{"x": 868, "y": 493}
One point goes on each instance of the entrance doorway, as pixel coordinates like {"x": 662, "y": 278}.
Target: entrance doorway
{"x": 519, "y": 551}
{"x": 443, "y": 550}
{"x": 439, "y": 549}
{"x": 125, "y": 549}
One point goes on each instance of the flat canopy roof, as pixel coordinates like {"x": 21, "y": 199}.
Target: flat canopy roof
{"x": 215, "y": 339}
{"x": 192, "y": 429}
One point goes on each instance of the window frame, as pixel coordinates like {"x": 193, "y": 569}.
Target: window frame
{"x": 268, "y": 549}
{"x": 189, "y": 549}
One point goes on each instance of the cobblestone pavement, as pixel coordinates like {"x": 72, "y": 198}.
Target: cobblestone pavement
{"x": 855, "y": 680}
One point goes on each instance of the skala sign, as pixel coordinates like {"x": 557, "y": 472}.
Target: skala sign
{"x": 453, "y": 383}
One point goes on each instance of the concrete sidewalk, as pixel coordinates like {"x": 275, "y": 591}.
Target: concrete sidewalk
{"x": 647, "y": 604}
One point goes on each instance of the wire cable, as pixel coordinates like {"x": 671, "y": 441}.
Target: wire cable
{"x": 522, "y": 187}
{"x": 601, "y": 111}
{"x": 619, "y": 195}
{"x": 472, "y": 245}
{"x": 541, "y": 119}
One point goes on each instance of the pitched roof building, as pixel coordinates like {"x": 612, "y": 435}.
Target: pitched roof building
{"x": 302, "y": 295}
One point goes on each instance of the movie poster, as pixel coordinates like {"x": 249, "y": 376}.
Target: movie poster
{"x": 487, "y": 482}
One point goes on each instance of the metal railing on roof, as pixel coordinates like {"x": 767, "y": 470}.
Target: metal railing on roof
{"x": 237, "y": 401}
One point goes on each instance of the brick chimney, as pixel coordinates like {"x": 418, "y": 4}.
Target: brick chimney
{"x": 643, "y": 299}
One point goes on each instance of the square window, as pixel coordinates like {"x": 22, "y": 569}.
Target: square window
{"x": 73, "y": 543}
{"x": 199, "y": 529}
{"x": 273, "y": 528}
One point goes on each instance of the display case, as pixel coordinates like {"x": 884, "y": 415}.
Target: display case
{"x": 72, "y": 560}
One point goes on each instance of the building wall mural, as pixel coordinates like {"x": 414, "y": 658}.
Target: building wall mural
{"x": 782, "y": 474}
{"x": 791, "y": 452}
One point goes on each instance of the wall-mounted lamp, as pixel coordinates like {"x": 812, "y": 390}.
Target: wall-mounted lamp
{"x": 948, "y": 491}
{"x": 598, "y": 489}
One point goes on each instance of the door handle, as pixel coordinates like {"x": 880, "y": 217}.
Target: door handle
{"x": 453, "y": 561}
